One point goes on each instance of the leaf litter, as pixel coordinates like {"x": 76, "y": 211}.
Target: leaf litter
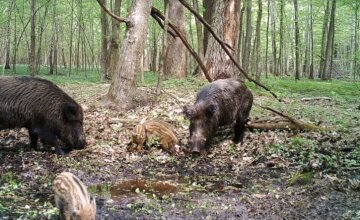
{"x": 251, "y": 180}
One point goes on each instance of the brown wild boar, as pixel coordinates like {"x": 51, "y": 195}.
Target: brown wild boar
{"x": 222, "y": 102}
{"x": 44, "y": 109}
{"x": 72, "y": 198}
{"x": 144, "y": 132}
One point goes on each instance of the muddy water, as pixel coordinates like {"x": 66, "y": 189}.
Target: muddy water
{"x": 159, "y": 187}
{"x": 130, "y": 188}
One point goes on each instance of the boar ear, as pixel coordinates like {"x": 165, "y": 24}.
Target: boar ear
{"x": 210, "y": 110}
{"x": 70, "y": 111}
{"x": 188, "y": 111}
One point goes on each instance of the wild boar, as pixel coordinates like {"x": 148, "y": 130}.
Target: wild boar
{"x": 222, "y": 102}
{"x": 144, "y": 132}
{"x": 72, "y": 198}
{"x": 44, "y": 109}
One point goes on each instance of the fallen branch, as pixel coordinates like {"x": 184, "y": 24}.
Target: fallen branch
{"x": 315, "y": 98}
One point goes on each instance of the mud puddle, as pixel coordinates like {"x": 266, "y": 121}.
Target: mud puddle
{"x": 160, "y": 187}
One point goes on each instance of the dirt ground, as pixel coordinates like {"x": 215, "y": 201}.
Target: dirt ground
{"x": 272, "y": 175}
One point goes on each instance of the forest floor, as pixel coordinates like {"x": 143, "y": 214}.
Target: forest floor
{"x": 278, "y": 174}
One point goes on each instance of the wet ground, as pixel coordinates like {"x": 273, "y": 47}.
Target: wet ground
{"x": 272, "y": 175}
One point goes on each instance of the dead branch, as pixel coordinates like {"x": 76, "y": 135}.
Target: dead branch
{"x": 315, "y": 98}
{"x": 126, "y": 21}
{"x": 155, "y": 12}
{"x": 183, "y": 2}
{"x": 291, "y": 124}
{"x": 159, "y": 21}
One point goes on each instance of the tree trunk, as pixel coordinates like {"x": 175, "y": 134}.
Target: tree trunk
{"x": 32, "y": 40}
{"x": 282, "y": 44}
{"x": 209, "y": 6}
{"x": 40, "y": 36}
{"x": 246, "y": 48}
{"x": 200, "y": 37}
{"x": 257, "y": 43}
{"x": 323, "y": 39}
{"x": 71, "y": 35}
{"x": 104, "y": 43}
{"x": 267, "y": 40}
{"x": 311, "y": 53}
{"x": 53, "y": 44}
{"x": 226, "y": 27}
{"x": 114, "y": 41}
{"x": 273, "y": 37}
{"x": 297, "y": 42}
{"x": 123, "y": 86}
{"x": 356, "y": 44}
{"x": 175, "y": 56}
{"x": 8, "y": 35}
{"x": 329, "y": 44}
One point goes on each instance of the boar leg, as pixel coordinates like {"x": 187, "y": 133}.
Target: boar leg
{"x": 239, "y": 130}
{"x": 33, "y": 140}
{"x": 50, "y": 138}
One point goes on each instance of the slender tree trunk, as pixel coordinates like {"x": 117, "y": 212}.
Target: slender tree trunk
{"x": 200, "y": 37}
{"x": 226, "y": 26}
{"x": 123, "y": 86}
{"x": 323, "y": 39}
{"x": 155, "y": 52}
{"x": 240, "y": 45}
{"x": 281, "y": 44}
{"x": 32, "y": 40}
{"x": 71, "y": 35}
{"x": 297, "y": 42}
{"x": 14, "y": 45}
{"x": 104, "y": 43}
{"x": 246, "y": 49}
{"x": 311, "y": 71}
{"x": 175, "y": 56}
{"x": 8, "y": 35}
{"x": 114, "y": 41}
{"x": 209, "y": 6}
{"x": 356, "y": 44}
{"x": 273, "y": 37}
{"x": 329, "y": 44}
{"x": 257, "y": 42}
{"x": 267, "y": 40}
{"x": 40, "y": 37}
{"x": 53, "y": 44}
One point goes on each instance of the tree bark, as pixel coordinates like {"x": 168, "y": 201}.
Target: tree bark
{"x": 175, "y": 56}
{"x": 200, "y": 37}
{"x": 226, "y": 26}
{"x": 8, "y": 35}
{"x": 282, "y": 44}
{"x": 257, "y": 43}
{"x": 104, "y": 43}
{"x": 273, "y": 37}
{"x": 123, "y": 86}
{"x": 329, "y": 44}
{"x": 114, "y": 41}
{"x": 32, "y": 40}
{"x": 246, "y": 48}
{"x": 324, "y": 39}
{"x": 209, "y": 6}
{"x": 297, "y": 41}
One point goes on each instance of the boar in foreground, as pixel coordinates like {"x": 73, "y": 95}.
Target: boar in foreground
{"x": 72, "y": 198}
{"x": 144, "y": 132}
{"x": 222, "y": 102}
{"x": 44, "y": 109}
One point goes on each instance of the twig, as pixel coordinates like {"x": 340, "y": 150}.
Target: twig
{"x": 315, "y": 98}
{"x": 183, "y": 2}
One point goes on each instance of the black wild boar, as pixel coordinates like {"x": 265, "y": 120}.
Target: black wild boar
{"x": 44, "y": 109}
{"x": 222, "y": 102}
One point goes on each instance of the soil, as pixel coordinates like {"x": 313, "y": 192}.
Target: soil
{"x": 243, "y": 181}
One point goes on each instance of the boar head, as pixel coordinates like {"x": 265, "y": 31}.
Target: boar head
{"x": 203, "y": 124}
{"x": 72, "y": 126}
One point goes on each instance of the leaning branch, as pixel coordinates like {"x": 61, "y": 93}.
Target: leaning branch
{"x": 127, "y": 22}
{"x": 183, "y": 2}
{"x": 156, "y": 13}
